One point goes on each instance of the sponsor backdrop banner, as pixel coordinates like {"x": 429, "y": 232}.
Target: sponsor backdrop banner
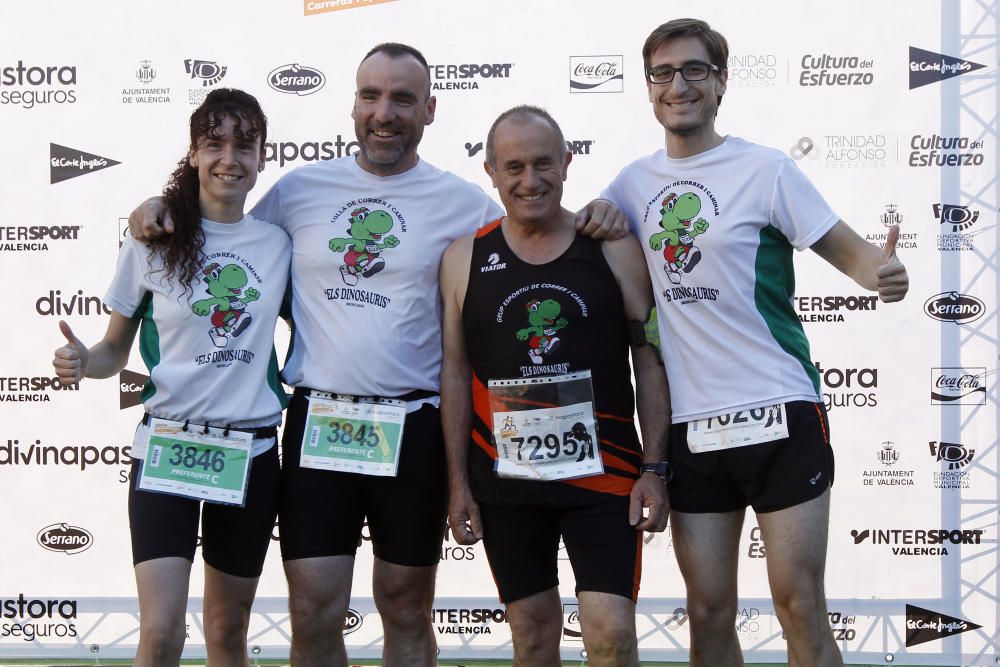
{"x": 889, "y": 108}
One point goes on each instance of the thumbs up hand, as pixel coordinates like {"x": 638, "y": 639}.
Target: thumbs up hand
{"x": 892, "y": 279}
{"x": 70, "y": 360}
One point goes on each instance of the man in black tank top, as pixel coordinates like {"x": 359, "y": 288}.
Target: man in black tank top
{"x": 537, "y": 402}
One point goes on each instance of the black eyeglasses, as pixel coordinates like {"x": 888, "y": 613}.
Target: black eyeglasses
{"x": 692, "y": 71}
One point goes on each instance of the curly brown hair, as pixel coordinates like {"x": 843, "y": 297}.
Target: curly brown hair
{"x": 182, "y": 251}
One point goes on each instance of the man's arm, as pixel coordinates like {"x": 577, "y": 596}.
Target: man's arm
{"x": 601, "y": 219}
{"x": 150, "y": 220}
{"x": 873, "y": 268}
{"x": 652, "y": 392}
{"x": 456, "y": 393}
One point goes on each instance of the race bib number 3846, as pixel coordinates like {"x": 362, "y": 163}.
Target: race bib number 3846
{"x": 211, "y": 466}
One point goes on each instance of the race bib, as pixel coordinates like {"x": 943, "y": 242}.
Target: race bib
{"x": 362, "y": 436}
{"x": 746, "y": 427}
{"x": 544, "y": 428}
{"x": 213, "y": 466}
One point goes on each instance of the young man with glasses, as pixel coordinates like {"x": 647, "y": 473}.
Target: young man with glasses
{"x": 718, "y": 217}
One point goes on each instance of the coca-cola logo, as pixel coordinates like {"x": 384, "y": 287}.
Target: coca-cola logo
{"x": 352, "y": 621}
{"x": 954, "y": 307}
{"x": 65, "y": 538}
{"x": 958, "y": 386}
{"x": 596, "y": 74}
{"x": 296, "y": 79}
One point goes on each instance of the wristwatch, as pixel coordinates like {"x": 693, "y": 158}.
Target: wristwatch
{"x": 663, "y": 470}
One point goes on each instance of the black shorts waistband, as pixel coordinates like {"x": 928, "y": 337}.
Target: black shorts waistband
{"x": 261, "y": 433}
{"x": 415, "y": 395}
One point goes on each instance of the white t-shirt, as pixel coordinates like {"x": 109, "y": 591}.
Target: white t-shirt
{"x": 724, "y": 223}
{"x": 365, "y": 256}
{"x": 210, "y": 350}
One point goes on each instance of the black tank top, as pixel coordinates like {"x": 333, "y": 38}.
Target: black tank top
{"x": 570, "y": 317}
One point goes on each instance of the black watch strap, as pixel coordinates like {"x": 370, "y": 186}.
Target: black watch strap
{"x": 663, "y": 470}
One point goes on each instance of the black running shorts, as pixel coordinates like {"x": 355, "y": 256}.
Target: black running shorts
{"x": 769, "y": 476}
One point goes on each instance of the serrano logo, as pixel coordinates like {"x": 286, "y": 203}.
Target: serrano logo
{"x": 928, "y": 67}
{"x": 352, "y": 621}
{"x": 296, "y": 79}
{"x": 924, "y": 625}
{"x": 64, "y": 538}
{"x": 954, "y": 307}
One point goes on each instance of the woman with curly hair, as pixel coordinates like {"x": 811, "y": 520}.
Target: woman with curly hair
{"x": 204, "y": 301}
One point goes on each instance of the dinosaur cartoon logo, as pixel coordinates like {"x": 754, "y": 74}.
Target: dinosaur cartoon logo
{"x": 543, "y": 316}
{"x": 228, "y": 302}
{"x": 364, "y": 247}
{"x": 679, "y": 232}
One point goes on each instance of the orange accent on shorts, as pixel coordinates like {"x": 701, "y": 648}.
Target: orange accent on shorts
{"x": 610, "y": 460}
{"x": 637, "y": 574}
{"x": 483, "y": 231}
{"x": 822, "y": 423}
{"x": 613, "y": 485}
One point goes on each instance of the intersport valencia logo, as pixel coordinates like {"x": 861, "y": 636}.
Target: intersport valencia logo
{"x": 928, "y": 67}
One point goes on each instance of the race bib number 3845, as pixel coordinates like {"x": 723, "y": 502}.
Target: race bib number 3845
{"x": 353, "y": 436}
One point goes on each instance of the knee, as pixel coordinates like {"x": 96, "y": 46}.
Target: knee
{"x": 534, "y": 633}
{"x": 402, "y": 606}
{"x": 228, "y": 631}
{"x": 314, "y": 615}
{"x": 800, "y": 605}
{"x": 614, "y": 644}
{"x": 711, "y": 611}
{"x": 163, "y": 640}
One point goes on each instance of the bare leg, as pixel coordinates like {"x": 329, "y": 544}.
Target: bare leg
{"x": 795, "y": 539}
{"x": 319, "y": 590}
{"x": 535, "y": 627}
{"x": 404, "y": 596}
{"x": 226, "y": 615}
{"x": 608, "y": 624}
{"x": 707, "y": 549}
{"x": 163, "y": 592}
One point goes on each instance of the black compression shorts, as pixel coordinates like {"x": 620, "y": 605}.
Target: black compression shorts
{"x": 522, "y": 545}
{"x": 234, "y": 540}
{"x": 322, "y": 512}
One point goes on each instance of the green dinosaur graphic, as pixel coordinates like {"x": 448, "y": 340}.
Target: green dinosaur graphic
{"x": 543, "y": 316}
{"x": 363, "y": 256}
{"x": 228, "y": 302}
{"x": 679, "y": 232}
